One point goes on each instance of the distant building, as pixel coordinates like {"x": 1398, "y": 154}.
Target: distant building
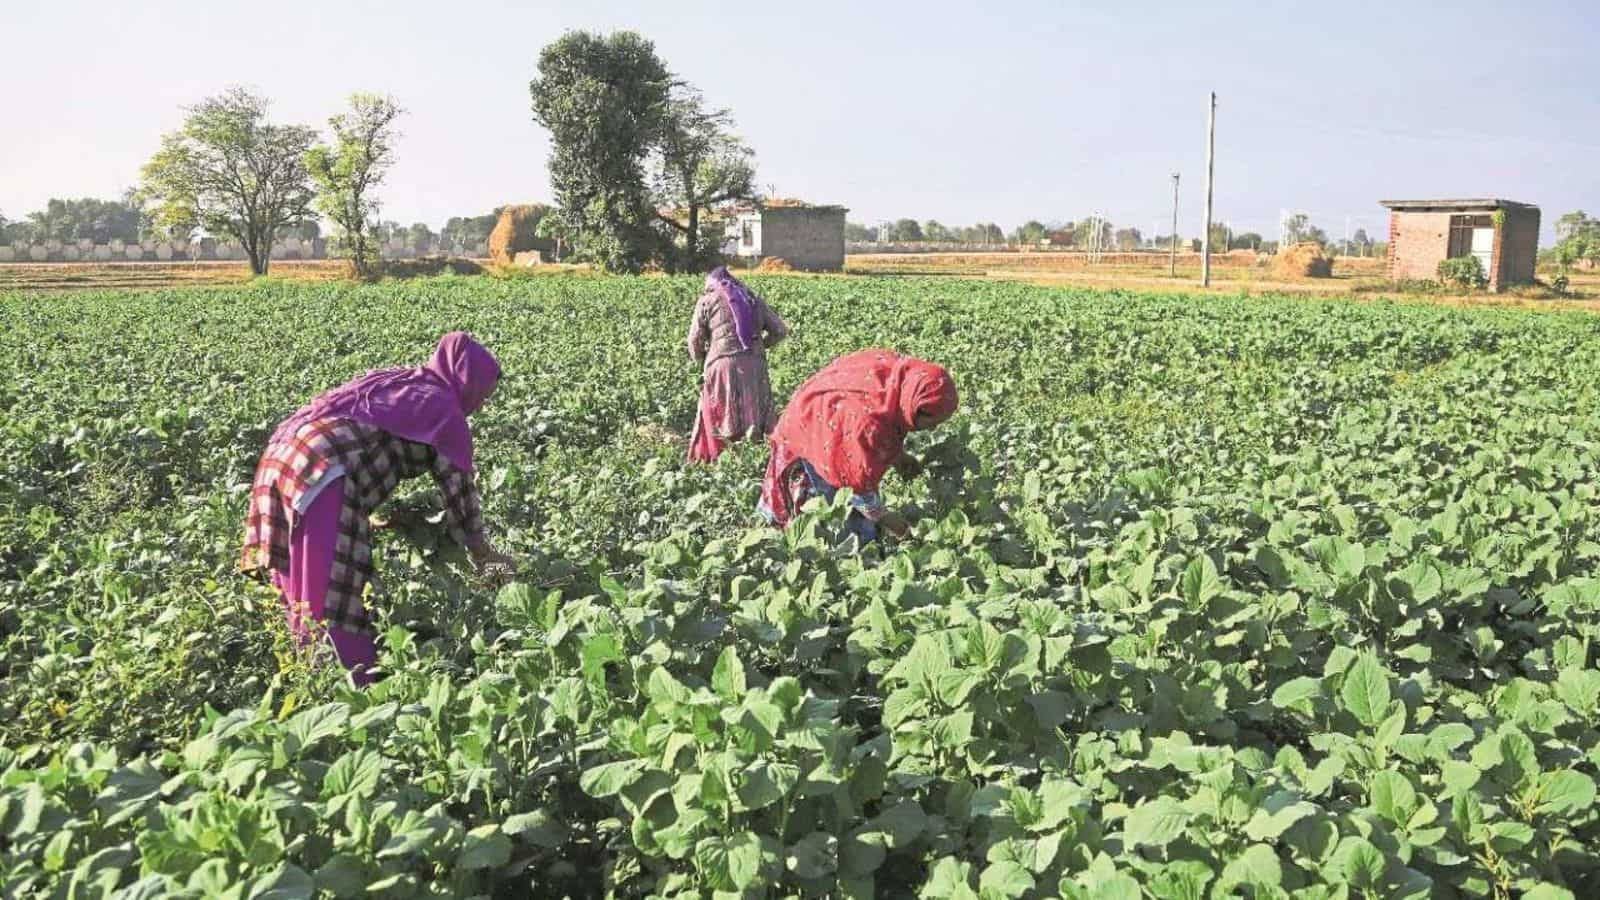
{"x": 1503, "y": 235}
{"x": 804, "y": 236}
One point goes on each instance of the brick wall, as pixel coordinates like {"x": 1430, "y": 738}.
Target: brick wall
{"x": 1418, "y": 242}
{"x": 803, "y": 237}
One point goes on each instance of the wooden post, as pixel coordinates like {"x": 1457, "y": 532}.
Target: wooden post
{"x": 1211, "y": 174}
{"x": 1173, "y": 244}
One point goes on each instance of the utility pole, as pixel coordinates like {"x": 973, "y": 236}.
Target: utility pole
{"x": 1173, "y": 243}
{"x": 1211, "y": 174}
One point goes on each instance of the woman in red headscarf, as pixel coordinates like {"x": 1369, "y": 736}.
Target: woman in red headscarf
{"x": 846, "y": 427}
{"x": 331, "y": 464}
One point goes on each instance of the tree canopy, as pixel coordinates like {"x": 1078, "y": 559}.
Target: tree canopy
{"x": 604, "y": 100}
{"x": 231, "y": 172}
{"x": 348, "y": 172}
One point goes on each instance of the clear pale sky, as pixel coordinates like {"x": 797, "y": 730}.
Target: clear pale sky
{"x": 957, "y": 112}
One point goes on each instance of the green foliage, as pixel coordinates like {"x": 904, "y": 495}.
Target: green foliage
{"x": 700, "y": 164}
{"x": 84, "y": 219}
{"x": 348, "y": 173}
{"x": 604, "y": 100}
{"x": 1235, "y": 598}
{"x": 1464, "y": 272}
{"x": 230, "y": 172}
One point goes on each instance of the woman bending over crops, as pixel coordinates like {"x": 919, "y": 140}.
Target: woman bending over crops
{"x": 846, "y": 427}
{"x": 731, "y": 330}
{"x": 328, "y": 466}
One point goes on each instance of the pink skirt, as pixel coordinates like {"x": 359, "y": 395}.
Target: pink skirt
{"x": 304, "y": 587}
{"x": 735, "y": 404}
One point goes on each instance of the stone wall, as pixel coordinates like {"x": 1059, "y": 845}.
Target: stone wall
{"x": 805, "y": 237}
{"x": 205, "y": 249}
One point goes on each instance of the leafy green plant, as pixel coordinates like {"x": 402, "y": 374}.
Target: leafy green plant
{"x": 1464, "y": 272}
{"x": 1244, "y": 598}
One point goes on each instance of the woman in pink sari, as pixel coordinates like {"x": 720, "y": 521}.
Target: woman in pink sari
{"x": 731, "y": 330}
{"x": 331, "y": 464}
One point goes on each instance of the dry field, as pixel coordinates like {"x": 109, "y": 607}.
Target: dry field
{"x": 1233, "y": 273}
{"x": 65, "y": 276}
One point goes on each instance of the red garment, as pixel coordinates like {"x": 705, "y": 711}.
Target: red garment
{"x": 850, "y": 421}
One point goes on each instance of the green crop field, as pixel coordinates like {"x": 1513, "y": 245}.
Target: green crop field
{"x": 1207, "y": 597}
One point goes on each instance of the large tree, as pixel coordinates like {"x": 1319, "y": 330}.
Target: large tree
{"x": 1031, "y": 232}
{"x": 348, "y": 173}
{"x": 699, "y": 165}
{"x": 905, "y": 230}
{"x": 461, "y": 233}
{"x": 91, "y": 219}
{"x": 604, "y": 100}
{"x": 231, "y": 172}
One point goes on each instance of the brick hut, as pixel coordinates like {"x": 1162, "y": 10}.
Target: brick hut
{"x": 1503, "y": 234}
{"x": 804, "y": 235}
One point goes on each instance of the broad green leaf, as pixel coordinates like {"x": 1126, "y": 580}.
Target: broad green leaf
{"x": 1277, "y": 814}
{"x": 1155, "y": 823}
{"x": 815, "y": 855}
{"x": 1183, "y": 879}
{"x": 1361, "y": 863}
{"x": 1393, "y": 797}
{"x": 343, "y": 875}
{"x": 727, "y": 678}
{"x": 484, "y": 847}
{"x": 1258, "y": 865}
{"x": 1565, "y": 792}
{"x": 609, "y": 778}
{"x": 1365, "y": 692}
{"x": 1297, "y": 693}
{"x": 1004, "y": 878}
{"x": 744, "y": 859}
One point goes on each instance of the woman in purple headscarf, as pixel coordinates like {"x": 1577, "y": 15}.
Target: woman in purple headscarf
{"x": 731, "y": 330}
{"x": 328, "y": 466}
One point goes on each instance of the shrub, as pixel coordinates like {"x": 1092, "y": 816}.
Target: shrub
{"x": 1463, "y": 272}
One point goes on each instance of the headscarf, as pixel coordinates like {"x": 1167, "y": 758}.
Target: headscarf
{"x": 428, "y": 404}
{"x": 850, "y": 420}
{"x": 741, "y": 305}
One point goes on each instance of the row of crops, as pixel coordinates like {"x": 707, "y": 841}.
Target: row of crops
{"x": 1207, "y": 598}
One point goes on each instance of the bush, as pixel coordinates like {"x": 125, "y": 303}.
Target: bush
{"x": 1463, "y": 272}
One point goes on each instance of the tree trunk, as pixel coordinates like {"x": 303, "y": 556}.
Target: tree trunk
{"x": 259, "y": 258}
{"x": 691, "y": 241}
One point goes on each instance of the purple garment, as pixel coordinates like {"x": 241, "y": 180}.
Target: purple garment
{"x": 428, "y": 404}
{"x": 305, "y": 585}
{"x": 740, "y": 304}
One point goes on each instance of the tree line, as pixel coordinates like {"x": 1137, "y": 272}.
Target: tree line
{"x": 1081, "y": 234}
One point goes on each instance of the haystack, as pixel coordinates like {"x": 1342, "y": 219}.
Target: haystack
{"x": 1303, "y": 260}
{"x": 774, "y": 264}
{"x": 514, "y": 233}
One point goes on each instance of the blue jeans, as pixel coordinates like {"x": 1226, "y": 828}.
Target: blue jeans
{"x": 857, "y": 523}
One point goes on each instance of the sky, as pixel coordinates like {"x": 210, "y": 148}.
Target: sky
{"x": 932, "y": 110}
